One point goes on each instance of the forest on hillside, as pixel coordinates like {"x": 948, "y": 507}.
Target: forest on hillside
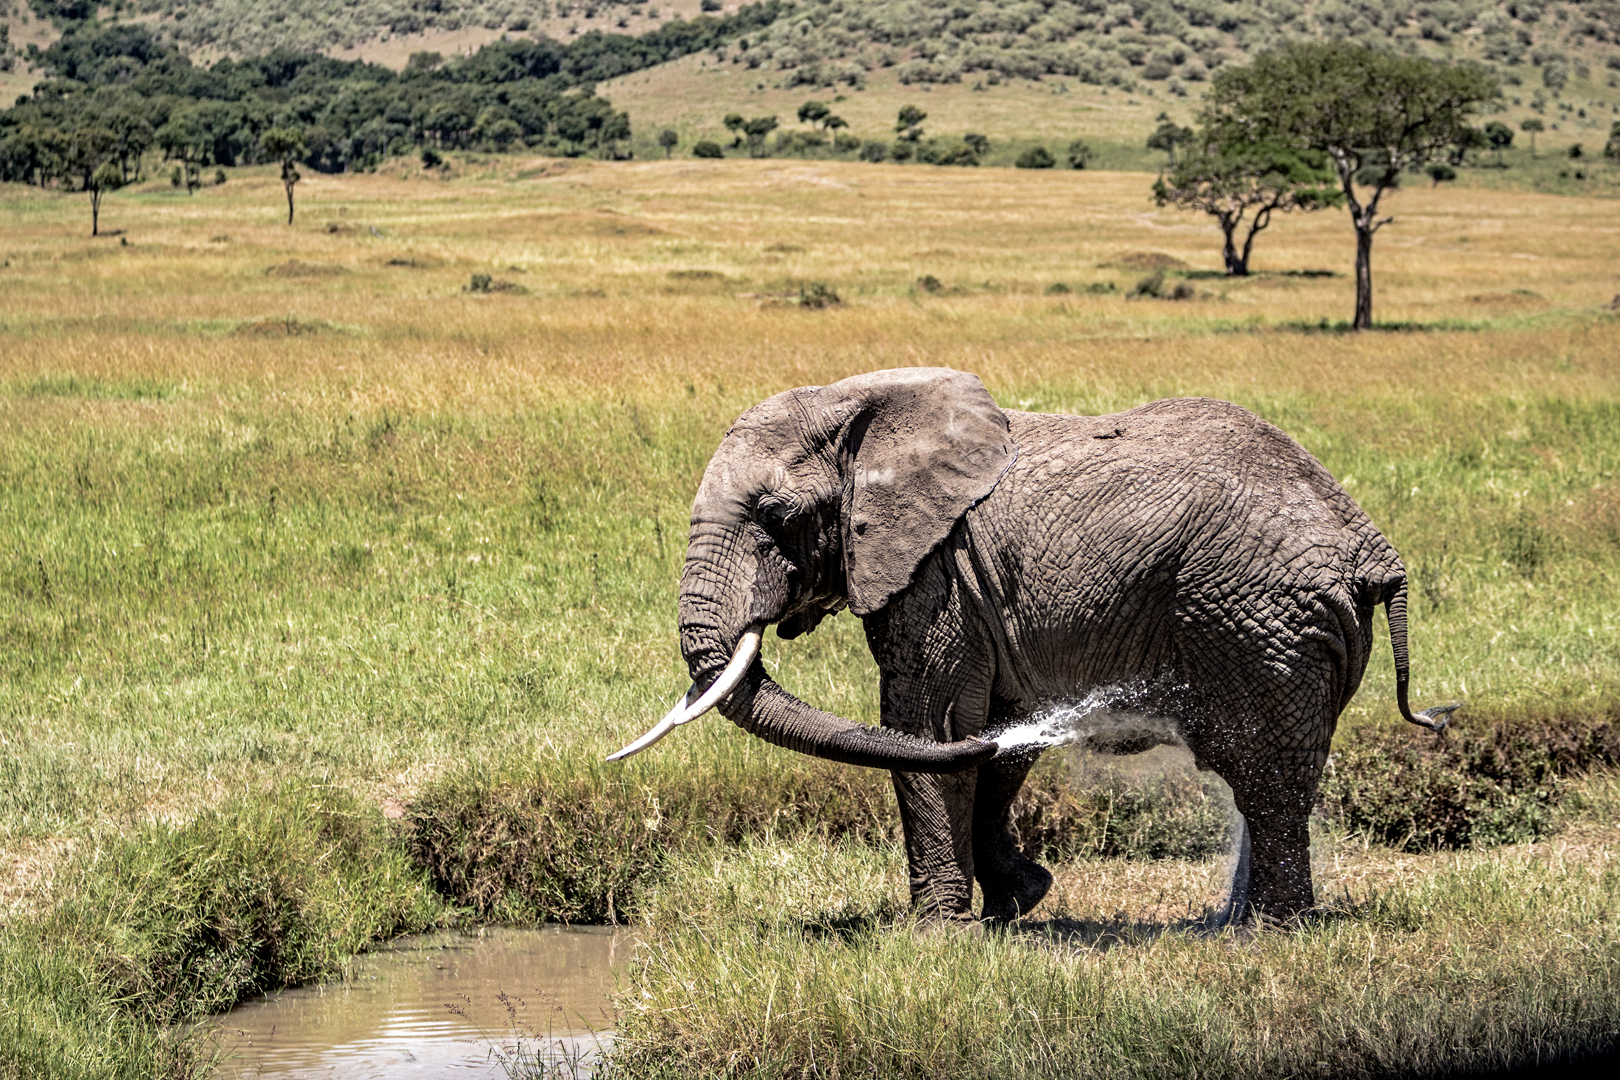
{"x": 112, "y": 91}
{"x": 822, "y": 42}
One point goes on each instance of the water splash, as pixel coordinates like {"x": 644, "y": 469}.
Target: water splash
{"x": 1113, "y": 712}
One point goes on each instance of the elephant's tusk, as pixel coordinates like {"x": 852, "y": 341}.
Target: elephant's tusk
{"x": 686, "y": 710}
{"x": 658, "y": 730}
{"x": 747, "y": 649}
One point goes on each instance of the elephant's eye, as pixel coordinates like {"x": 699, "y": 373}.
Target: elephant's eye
{"x": 777, "y": 510}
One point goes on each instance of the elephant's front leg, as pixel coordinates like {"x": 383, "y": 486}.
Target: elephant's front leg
{"x": 936, "y": 676}
{"x": 936, "y": 815}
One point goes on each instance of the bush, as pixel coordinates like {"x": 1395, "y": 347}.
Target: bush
{"x": 958, "y": 155}
{"x": 901, "y": 150}
{"x": 845, "y": 143}
{"x": 431, "y": 158}
{"x": 1058, "y": 288}
{"x": 930, "y": 283}
{"x": 874, "y": 151}
{"x": 1476, "y": 784}
{"x": 1080, "y": 154}
{"x": 707, "y": 148}
{"x": 1036, "y": 157}
{"x": 817, "y": 295}
{"x": 1152, "y": 285}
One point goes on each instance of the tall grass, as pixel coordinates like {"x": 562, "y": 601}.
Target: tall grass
{"x": 258, "y": 590}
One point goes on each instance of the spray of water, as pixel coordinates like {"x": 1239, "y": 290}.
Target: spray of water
{"x": 1107, "y": 710}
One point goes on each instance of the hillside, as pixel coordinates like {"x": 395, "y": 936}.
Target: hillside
{"x": 1020, "y": 73}
{"x": 821, "y": 42}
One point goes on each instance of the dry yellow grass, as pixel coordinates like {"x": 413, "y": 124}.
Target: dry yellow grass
{"x": 597, "y": 243}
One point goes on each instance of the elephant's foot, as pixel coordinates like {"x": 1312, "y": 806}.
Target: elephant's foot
{"x": 1018, "y": 884}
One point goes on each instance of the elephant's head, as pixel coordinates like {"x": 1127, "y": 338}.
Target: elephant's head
{"x": 817, "y": 499}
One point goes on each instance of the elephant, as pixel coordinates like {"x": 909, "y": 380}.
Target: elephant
{"x": 1002, "y": 562}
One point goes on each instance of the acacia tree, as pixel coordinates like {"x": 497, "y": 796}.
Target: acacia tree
{"x": 87, "y": 156}
{"x": 1530, "y": 127}
{"x": 1358, "y": 106}
{"x": 1500, "y": 136}
{"x": 1167, "y": 136}
{"x": 1228, "y": 182}
{"x": 284, "y": 145}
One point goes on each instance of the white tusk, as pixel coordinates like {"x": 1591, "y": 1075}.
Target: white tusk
{"x": 747, "y": 649}
{"x": 686, "y": 710}
{"x": 658, "y": 730}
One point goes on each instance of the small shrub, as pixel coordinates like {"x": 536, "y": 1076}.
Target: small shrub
{"x": 707, "y": 148}
{"x": 958, "y": 155}
{"x": 817, "y": 295}
{"x": 1097, "y": 287}
{"x": 901, "y": 150}
{"x": 219, "y": 176}
{"x": 1183, "y": 291}
{"x": 929, "y": 283}
{"x": 431, "y": 158}
{"x": 845, "y": 143}
{"x": 1036, "y": 157}
{"x": 1058, "y": 288}
{"x": 1152, "y": 285}
{"x": 874, "y": 151}
{"x": 484, "y": 283}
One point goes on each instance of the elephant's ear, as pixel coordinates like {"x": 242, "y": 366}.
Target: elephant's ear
{"x": 924, "y": 445}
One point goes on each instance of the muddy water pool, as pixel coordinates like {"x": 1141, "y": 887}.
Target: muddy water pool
{"x": 441, "y": 1005}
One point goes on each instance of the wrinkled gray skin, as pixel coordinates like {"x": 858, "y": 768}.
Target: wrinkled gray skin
{"x": 1002, "y": 561}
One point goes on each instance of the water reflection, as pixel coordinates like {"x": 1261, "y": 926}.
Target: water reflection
{"x": 435, "y": 1006}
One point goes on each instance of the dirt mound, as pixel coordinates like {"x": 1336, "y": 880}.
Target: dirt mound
{"x": 293, "y": 268}
{"x": 1143, "y": 260}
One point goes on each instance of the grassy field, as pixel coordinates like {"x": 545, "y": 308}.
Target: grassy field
{"x": 326, "y": 582}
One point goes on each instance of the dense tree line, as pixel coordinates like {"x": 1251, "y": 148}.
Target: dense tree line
{"x": 113, "y": 92}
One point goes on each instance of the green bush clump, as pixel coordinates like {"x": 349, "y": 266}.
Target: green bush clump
{"x": 1036, "y": 157}
{"x": 175, "y": 922}
{"x": 1473, "y": 786}
{"x": 553, "y": 842}
{"x": 1098, "y": 809}
{"x": 707, "y": 148}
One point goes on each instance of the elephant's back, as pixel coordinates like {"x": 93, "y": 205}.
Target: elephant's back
{"x": 1179, "y": 449}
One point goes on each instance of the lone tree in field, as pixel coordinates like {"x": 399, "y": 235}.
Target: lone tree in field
{"x": 756, "y": 130}
{"x": 1530, "y": 127}
{"x": 285, "y": 145}
{"x": 1230, "y": 182}
{"x": 734, "y": 123}
{"x": 1168, "y": 135}
{"x": 1500, "y": 136}
{"x": 909, "y": 123}
{"x": 87, "y": 156}
{"x": 669, "y": 139}
{"x": 1372, "y": 113}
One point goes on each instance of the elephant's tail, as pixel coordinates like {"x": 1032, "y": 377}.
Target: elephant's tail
{"x": 1434, "y": 719}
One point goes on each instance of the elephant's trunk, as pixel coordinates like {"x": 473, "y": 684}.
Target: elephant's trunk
{"x": 726, "y": 593}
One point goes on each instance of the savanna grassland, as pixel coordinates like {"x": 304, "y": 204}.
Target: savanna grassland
{"x": 327, "y": 580}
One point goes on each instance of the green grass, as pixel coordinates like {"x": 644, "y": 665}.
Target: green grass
{"x": 1487, "y": 964}
{"x": 258, "y": 593}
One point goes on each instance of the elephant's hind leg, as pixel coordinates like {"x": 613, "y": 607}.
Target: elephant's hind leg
{"x": 1012, "y": 882}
